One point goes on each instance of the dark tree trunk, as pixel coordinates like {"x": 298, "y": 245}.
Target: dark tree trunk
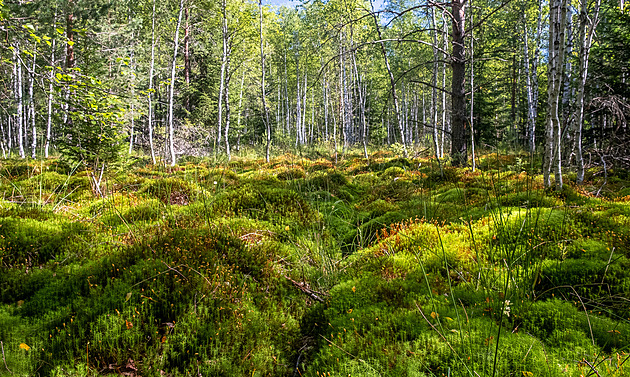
{"x": 458, "y": 113}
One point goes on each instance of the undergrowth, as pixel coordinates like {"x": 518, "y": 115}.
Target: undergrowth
{"x": 387, "y": 266}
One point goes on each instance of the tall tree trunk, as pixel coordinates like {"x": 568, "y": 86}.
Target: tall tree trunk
{"x": 334, "y": 133}
{"x": 534, "y": 79}
{"x": 3, "y": 142}
{"x": 187, "y": 56}
{"x": 304, "y": 106}
{"x": 150, "y": 92}
{"x": 444, "y": 126}
{"x": 434, "y": 96}
{"x": 31, "y": 105}
{"x": 298, "y": 106}
{"x": 227, "y": 112}
{"x": 325, "y": 91}
{"x": 50, "y": 96}
{"x": 553, "y": 148}
{"x": 287, "y": 110}
{"x": 472, "y": 92}
{"x": 171, "y": 125}
{"x": 19, "y": 99}
{"x": 224, "y": 33}
{"x": 567, "y": 89}
{"x": 587, "y": 31}
{"x": 240, "y": 112}
{"x": 133, "y": 98}
{"x": 392, "y": 81}
{"x": 361, "y": 106}
{"x": 531, "y": 106}
{"x": 459, "y": 153}
{"x": 343, "y": 83}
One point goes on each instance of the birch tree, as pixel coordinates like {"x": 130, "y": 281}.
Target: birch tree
{"x": 171, "y": 125}
{"x": 552, "y": 158}
{"x": 150, "y": 91}
{"x": 262, "y": 87}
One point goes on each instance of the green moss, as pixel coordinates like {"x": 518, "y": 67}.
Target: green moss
{"x": 418, "y": 274}
{"x": 172, "y": 190}
{"x": 273, "y": 204}
{"x": 290, "y": 174}
{"x": 392, "y": 172}
{"x": 29, "y": 243}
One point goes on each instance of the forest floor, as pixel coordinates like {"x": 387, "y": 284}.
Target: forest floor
{"x": 306, "y": 267}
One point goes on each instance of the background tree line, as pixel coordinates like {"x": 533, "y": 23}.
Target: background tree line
{"x": 94, "y": 79}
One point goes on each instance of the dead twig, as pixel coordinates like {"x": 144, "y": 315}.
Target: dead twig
{"x": 3, "y": 358}
{"x": 305, "y": 289}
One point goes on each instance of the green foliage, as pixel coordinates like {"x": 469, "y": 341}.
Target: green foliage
{"x": 93, "y": 134}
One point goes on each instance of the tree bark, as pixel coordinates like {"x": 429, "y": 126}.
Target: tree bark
{"x": 19, "y": 99}
{"x": 227, "y": 111}
{"x": 444, "y": 125}
{"x": 224, "y": 33}
{"x": 434, "y": 98}
{"x": 459, "y": 153}
{"x": 31, "y": 105}
{"x": 587, "y": 31}
{"x": 50, "y": 97}
{"x": 171, "y": 126}
{"x": 150, "y": 92}
{"x": 187, "y": 56}
{"x": 472, "y": 93}
{"x": 552, "y": 157}
{"x": 361, "y": 107}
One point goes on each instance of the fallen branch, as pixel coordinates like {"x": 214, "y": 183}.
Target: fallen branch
{"x": 302, "y": 286}
{"x": 3, "y": 358}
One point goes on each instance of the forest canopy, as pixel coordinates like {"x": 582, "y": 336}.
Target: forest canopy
{"x": 206, "y": 78}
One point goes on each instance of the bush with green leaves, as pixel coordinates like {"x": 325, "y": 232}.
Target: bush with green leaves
{"x": 93, "y": 133}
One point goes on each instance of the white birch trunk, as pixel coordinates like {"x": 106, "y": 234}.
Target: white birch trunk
{"x": 171, "y": 126}
{"x": 133, "y": 98}
{"x": 444, "y": 105}
{"x": 227, "y": 113}
{"x": 19, "y": 100}
{"x": 31, "y": 105}
{"x": 298, "y": 107}
{"x": 553, "y": 150}
{"x": 224, "y": 33}
{"x": 150, "y": 92}
{"x": 434, "y": 96}
{"x": 262, "y": 87}
{"x": 50, "y": 98}
{"x": 472, "y": 92}
{"x": 304, "y": 106}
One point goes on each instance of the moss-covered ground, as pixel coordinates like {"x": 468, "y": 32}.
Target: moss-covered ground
{"x": 307, "y": 267}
